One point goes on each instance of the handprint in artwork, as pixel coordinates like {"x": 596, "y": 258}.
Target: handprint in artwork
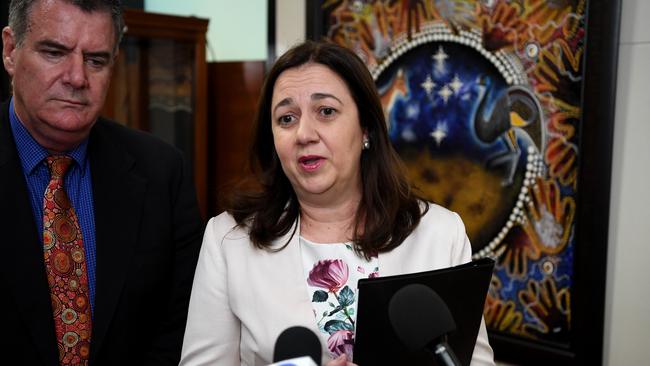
{"x": 549, "y": 306}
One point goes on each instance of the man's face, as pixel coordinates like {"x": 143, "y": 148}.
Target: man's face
{"x": 60, "y": 72}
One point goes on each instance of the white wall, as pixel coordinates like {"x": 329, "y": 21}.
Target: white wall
{"x": 237, "y": 30}
{"x": 627, "y": 314}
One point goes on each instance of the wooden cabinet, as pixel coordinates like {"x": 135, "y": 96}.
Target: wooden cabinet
{"x": 233, "y": 92}
{"x": 159, "y": 85}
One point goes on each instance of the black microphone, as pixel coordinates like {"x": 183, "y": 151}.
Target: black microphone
{"x": 297, "y": 342}
{"x": 421, "y": 320}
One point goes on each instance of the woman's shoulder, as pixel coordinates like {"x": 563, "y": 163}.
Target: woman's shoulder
{"x": 223, "y": 219}
{"x": 223, "y": 227}
{"x": 437, "y": 215}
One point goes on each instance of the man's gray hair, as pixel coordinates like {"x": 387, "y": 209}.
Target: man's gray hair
{"x": 19, "y": 11}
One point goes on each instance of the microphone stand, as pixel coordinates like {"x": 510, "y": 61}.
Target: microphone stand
{"x": 442, "y": 352}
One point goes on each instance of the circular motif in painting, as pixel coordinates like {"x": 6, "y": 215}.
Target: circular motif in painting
{"x": 532, "y": 50}
{"x": 61, "y": 262}
{"x": 70, "y": 339}
{"x": 548, "y": 267}
{"x": 62, "y": 199}
{"x": 69, "y": 316}
{"x": 64, "y": 229}
{"x": 77, "y": 255}
{"x": 467, "y": 126}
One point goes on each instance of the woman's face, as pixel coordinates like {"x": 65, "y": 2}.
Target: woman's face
{"x": 317, "y": 134}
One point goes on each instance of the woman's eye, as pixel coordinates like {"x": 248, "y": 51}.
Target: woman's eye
{"x": 327, "y": 111}
{"x": 285, "y": 119}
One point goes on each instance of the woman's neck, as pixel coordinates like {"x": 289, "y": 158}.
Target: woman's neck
{"x": 328, "y": 224}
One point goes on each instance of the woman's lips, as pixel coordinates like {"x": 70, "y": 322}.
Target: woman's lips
{"x": 310, "y": 162}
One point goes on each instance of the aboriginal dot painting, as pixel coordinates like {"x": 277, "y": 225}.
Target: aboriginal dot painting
{"x": 482, "y": 99}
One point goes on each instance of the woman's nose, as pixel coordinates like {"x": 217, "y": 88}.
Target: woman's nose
{"x": 307, "y": 130}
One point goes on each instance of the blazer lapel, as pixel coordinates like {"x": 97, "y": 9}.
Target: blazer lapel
{"x": 118, "y": 199}
{"x": 288, "y": 266}
{"x": 24, "y": 271}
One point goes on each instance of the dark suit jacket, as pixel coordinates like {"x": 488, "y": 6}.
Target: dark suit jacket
{"x": 148, "y": 234}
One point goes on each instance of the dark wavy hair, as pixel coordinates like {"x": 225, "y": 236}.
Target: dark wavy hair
{"x": 20, "y": 11}
{"x": 389, "y": 209}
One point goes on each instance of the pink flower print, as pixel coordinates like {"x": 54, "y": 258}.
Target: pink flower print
{"x": 330, "y": 274}
{"x": 361, "y": 270}
{"x": 340, "y": 342}
{"x": 373, "y": 274}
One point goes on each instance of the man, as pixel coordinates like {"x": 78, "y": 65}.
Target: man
{"x": 99, "y": 225}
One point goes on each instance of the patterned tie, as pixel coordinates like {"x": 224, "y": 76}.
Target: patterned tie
{"x": 65, "y": 265}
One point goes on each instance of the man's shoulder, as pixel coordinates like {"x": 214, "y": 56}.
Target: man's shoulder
{"x": 113, "y": 129}
{"x": 112, "y": 142}
{"x": 139, "y": 143}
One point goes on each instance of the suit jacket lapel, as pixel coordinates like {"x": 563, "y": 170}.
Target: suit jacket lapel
{"x": 118, "y": 198}
{"x": 24, "y": 270}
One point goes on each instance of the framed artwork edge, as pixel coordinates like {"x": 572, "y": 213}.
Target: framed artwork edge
{"x": 592, "y": 227}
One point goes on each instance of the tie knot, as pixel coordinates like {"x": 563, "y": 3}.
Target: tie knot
{"x": 58, "y": 165}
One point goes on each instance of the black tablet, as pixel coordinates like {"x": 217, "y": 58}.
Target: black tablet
{"x": 463, "y": 288}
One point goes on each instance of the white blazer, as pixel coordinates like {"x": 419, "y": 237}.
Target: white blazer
{"x": 244, "y": 297}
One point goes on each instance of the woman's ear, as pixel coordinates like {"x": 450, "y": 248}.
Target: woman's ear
{"x": 365, "y": 141}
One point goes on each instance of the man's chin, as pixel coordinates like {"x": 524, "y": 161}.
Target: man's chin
{"x": 70, "y": 121}
{"x": 58, "y": 136}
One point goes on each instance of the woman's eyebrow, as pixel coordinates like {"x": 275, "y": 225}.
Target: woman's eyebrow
{"x": 282, "y": 103}
{"x": 319, "y": 96}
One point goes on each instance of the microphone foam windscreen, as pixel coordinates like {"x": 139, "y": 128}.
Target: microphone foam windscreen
{"x": 418, "y": 316}
{"x": 297, "y": 342}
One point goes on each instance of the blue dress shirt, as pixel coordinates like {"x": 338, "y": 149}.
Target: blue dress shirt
{"x": 78, "y": 186}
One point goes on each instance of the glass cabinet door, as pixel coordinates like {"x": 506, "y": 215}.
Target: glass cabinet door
{"x": 158, "y": 85}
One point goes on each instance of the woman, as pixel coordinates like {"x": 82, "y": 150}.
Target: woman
{"x": 334, "y": 206}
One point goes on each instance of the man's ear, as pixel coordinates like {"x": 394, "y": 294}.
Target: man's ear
{"x": 8, "y": 48}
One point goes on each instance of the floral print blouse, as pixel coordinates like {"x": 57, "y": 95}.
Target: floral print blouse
{"x": 332, "y": 271}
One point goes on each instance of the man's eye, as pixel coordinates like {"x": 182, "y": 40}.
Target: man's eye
{"x": 96, "y": 62}
{"x": 53, "y": 53}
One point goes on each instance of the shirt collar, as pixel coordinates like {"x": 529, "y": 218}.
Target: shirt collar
{"x": 31, "y": 152}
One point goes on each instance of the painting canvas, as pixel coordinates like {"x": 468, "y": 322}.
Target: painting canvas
{"x": 484, "y": 103}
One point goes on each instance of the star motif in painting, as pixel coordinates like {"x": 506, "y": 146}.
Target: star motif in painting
{"x": 440, "y": 57}
{"x": 412, "y": 111}
{"x": 439, "y": 133}
{"x": 445, "y": 93}
{"x": 456, "y": 84}
{"x": 428, "y": 85}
